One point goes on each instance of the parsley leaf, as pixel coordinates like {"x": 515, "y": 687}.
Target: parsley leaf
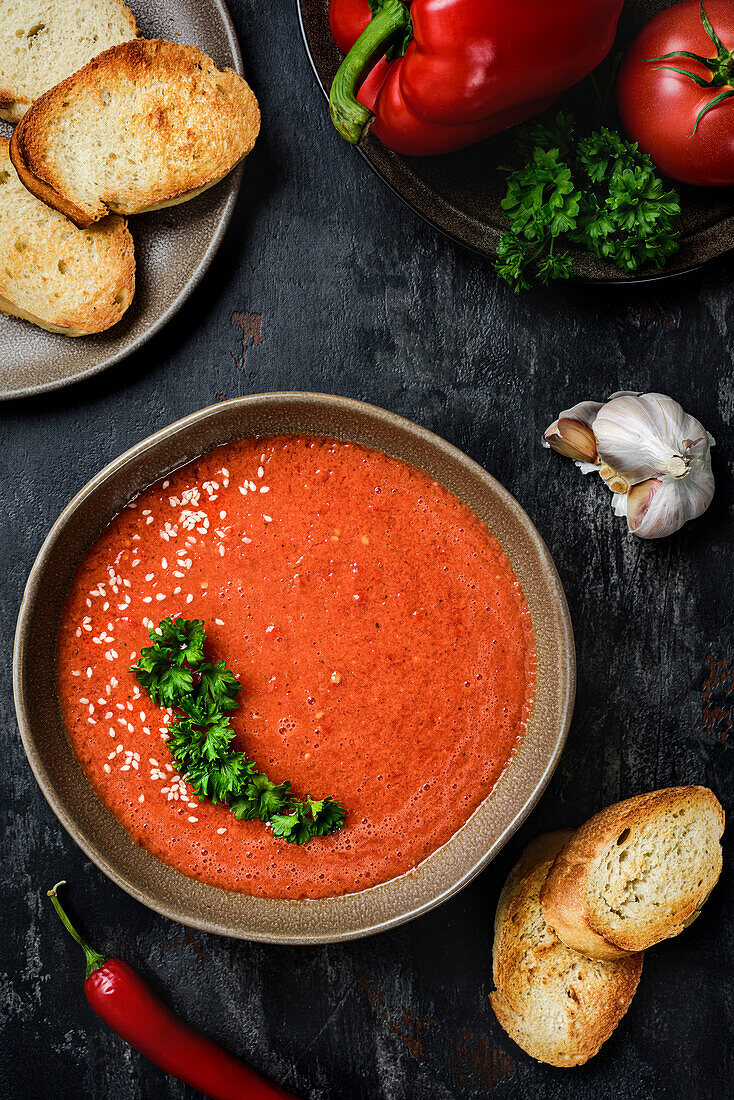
{"x": 602, "y": 194}
{"x": 261, "y": 798}
{"x": 173, "y": 672}
{"x": 309, "y": 818}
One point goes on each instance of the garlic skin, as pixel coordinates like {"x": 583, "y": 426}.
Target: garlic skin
{"x": 646, "y": 435}
{"x": 653, "y": 456}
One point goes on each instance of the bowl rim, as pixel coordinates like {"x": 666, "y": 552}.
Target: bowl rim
{"x": 566, "y": 651}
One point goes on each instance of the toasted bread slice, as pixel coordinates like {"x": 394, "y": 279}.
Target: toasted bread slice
{"x": 636, "y": 873}
{"x": 44, "y": 41}
{"x": 145, "y": 125}
{"x": 559, "y": 1006}
{"x": 60, "y": 277}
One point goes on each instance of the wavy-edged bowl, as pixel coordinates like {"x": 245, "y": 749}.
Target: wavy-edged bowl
{"x": 185, "y": 899}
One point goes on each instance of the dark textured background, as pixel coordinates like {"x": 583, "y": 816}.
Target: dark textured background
{"x": 326, "y": 283}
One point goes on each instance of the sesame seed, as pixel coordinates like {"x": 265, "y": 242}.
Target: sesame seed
{"x": 268, "y": 519}
{"x": 107, "y": 768}
{"x": 141, "y": 798}
{"x": 220, "y": 831}
{"x": 193, "y": 819}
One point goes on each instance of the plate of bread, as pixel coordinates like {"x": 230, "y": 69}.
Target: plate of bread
{"x": 122, "y": 145}
{"x": 580, "y": 909}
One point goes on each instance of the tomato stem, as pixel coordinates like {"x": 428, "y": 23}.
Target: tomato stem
{"x": 721, "y": 68}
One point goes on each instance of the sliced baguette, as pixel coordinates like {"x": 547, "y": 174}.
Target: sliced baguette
{"x": 636, "y": 873}
{"x": 145, "y": 125}
{"x": 557, "y": 1005}
{"x": 44, "y": 41}
{"x": 60, "y": 277}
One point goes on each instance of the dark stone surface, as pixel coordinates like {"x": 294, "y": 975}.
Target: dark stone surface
{"x": 327, "y": 283}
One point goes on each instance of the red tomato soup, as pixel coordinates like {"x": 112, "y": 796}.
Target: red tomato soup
{"x": 381, "y": 637}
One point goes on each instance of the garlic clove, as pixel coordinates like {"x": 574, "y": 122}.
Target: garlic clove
{"x": 613, "y": 479}
{"x": 638, "y": 503}
{"x": 571, "y": 434}
{"x": 647, "y": 436}
{"x": 660, "y": 506}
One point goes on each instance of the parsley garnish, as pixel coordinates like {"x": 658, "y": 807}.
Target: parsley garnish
{"x": 600, "y": 192}
{"x": 174, "y": 673}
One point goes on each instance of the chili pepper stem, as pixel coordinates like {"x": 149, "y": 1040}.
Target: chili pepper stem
{"x": 94, "y": 959}
{"x": 350, "y": 117}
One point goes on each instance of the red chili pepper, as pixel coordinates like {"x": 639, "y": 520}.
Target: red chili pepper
{"x": 130, "y": 1007}
{"x": 466, "y": 69}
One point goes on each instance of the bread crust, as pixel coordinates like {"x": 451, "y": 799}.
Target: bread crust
{"x": 96, "y": 302}
{"x": 538, "y": 978}
{"x": 170, "y": 65}
{"x": 564, "y": 896}
{"x": 12, "y": 107}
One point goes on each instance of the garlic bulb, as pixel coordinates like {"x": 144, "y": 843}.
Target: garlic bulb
{"x": 652, "y": 455}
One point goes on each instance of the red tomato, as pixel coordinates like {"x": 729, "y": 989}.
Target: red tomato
{"x": 659, "y": 107}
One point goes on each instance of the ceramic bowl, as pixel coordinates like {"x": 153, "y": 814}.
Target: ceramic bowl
{"x": 283, "y": 921}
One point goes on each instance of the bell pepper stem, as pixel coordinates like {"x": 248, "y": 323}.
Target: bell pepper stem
{"x": 351, "y": 118}
{"x": 94, "y": 959}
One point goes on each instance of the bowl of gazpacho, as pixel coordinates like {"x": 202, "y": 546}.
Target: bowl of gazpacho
{"x": 364, "y": 684}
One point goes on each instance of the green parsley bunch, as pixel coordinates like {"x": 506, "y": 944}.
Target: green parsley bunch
{"x": 599, "y": 192}
{"x": 174, "y": 673}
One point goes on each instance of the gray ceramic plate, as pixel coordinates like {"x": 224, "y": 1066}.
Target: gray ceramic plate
{"x": 460, "y": 194}
{"x": 173, "y": 247}
{"x": 167, "y": 890}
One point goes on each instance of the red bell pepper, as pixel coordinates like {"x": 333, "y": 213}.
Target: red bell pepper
{"x": 433, "y": 76}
